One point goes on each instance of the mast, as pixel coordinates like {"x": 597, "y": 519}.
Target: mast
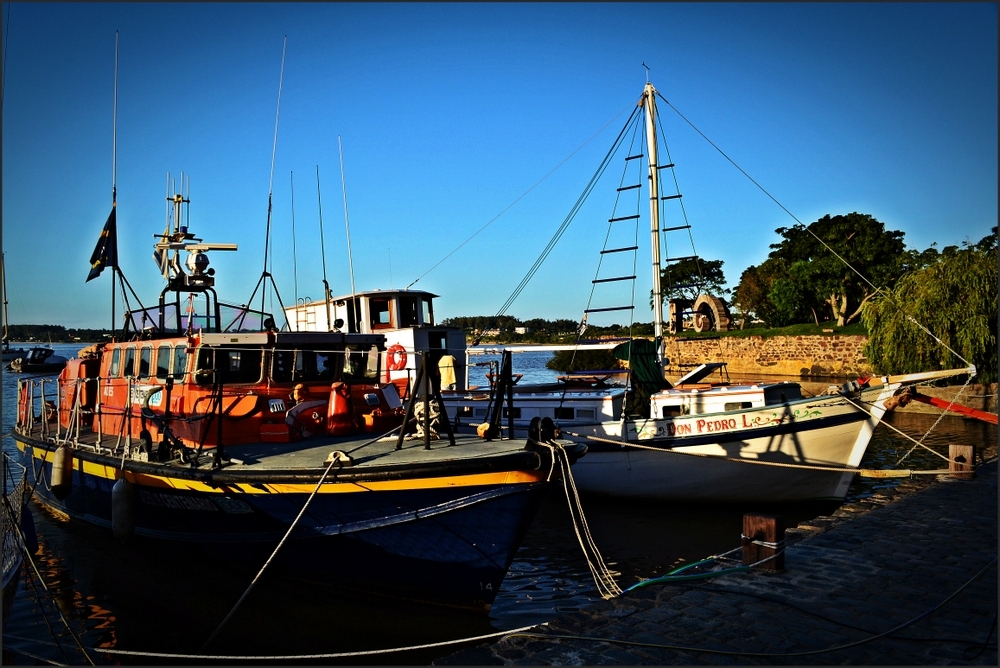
{"x": 648, "y": 95}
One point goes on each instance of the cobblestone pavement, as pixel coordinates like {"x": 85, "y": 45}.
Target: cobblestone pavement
{"x": 852, "y": 582}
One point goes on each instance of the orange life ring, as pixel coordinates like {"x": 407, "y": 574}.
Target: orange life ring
{"x": 395, "y": 358}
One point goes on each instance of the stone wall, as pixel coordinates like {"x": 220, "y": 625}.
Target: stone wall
{"x": 800, "y": 356}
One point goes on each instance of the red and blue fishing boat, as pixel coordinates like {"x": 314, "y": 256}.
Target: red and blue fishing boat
{"x": 203, "y": 425}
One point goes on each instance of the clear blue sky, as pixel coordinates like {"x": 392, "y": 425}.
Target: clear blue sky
{"x": 449, "y": 112}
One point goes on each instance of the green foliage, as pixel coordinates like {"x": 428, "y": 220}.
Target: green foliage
{"x": 705, "y": 274}
{"x": 583, "y": 360}
{"x": 55, "y": 334}
{"x": 955, "y": 298}
{"x": 803, "y": 279}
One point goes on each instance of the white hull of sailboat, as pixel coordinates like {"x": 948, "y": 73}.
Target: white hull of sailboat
{"x": 767, "y": 462}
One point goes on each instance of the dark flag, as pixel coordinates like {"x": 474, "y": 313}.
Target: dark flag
{"x": 106, "y": 252}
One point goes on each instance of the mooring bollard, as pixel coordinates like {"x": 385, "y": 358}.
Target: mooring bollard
{"x": 763, "y": 537}
{"x": 961, "y": 460}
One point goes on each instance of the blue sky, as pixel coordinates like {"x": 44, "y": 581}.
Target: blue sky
{"x": 448, "y": 113}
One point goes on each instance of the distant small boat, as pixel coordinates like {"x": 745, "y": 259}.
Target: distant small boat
{"x": 11, "y": 354}
{"x": 38, "y": 360}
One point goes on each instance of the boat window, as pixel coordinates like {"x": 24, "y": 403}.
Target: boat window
{"x": 282, "y": 365}
{"x": 361, "y": 364}
{"x": 239, "y": 366}
{"x": 116, "y": 363}
{"x": 428, "y": 311}
{"x": 180, "y": 362}
{"x": 304, "y": 365}
{"x": 564, "y": 413}
{"x": 378, "y": 311}
{"x": 737, "y": 405}
{"x": 673, "y": 411}
{"x": 145, "y": 358}
{"x": 409, "y": 312}
{"x": 129, "y": 365}
{"x": 163, "y": 362}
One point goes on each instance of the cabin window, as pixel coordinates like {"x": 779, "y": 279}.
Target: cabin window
{"x": 282, "y": 364}
{"x": 361, "y": 364}
{"x": 379, "y": 312}
{"x": 145, "y": 359}
{"x": 239, "y": 366}
{"x": 737, "y": 405}
{"x": 514, "y": 412}
{"x": 428, "y": 311}
{"x": 163, "y": 362}
{"x": 564, "y": 413}
{"x": 180, "y": 362}
{"x": 116, "y": 363}
{"x": 673, "y": 411}
{"x": 409, "y": 312}
{"x": 129, "y": 365}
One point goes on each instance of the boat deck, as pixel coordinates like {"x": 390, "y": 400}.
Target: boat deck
{"x": 367, "y": 452}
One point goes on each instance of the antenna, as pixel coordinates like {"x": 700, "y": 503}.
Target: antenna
{"x": 295, "y": 261}
{"x": 114, "y": 181}
{"x": 347, "y": 221}
{"x": 270, "y": 192}
{"x": 322, "y": 247}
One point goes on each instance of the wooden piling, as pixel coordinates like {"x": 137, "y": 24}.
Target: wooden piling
{"x": 763, "y": 537}
{"x": 961, "y": 460}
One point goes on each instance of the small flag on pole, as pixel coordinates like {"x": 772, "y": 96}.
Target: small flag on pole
{"x": 106, "y": 252}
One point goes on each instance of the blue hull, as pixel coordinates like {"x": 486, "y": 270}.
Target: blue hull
{"x": 448, "y": 543}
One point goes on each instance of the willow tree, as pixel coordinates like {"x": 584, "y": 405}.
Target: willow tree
{"x": 955, "y": 298}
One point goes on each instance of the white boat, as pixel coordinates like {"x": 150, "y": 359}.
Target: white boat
{"x": 406, "y": 319}
{"x": 718, "y": 442}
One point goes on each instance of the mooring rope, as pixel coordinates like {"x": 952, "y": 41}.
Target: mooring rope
{"x": 291, "y": 657}
{"x": 865, "y": 473}
{"x": 603, "y": 576}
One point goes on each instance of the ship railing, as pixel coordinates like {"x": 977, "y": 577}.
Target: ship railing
{"x": 39, "y": 395}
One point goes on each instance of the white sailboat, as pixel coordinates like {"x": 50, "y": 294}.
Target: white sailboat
{"x": 719, "y": 442}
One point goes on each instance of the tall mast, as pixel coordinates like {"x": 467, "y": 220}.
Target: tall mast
{"x": 654, "y": 216}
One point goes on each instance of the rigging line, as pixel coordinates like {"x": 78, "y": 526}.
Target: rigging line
{"x": 6, "y": 41}
{"x": 522, "y": 196}
{"x": 569, "y": 218}
{"x": 806, "y": 227}
{"x": 281, "y": 544}
{"x": 763, "y": 190}
{"x": 270, "y": 185}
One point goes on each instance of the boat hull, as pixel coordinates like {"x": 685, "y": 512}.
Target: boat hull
{"x": 718, "y": 458}
{"x": 447, "y": 540}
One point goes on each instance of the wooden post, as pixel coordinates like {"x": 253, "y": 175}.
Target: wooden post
{"x": 766, "y": 529}
{"x": 961, "y": 459}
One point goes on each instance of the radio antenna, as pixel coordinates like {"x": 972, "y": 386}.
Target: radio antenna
{"x": 295, "y": 261}
{"x": 322, "y": 248}
{"x": 347, "y": 220}
{"x": 265, "y": 274}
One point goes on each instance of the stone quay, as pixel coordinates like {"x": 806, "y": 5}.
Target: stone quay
{"x": 906, "y": 577}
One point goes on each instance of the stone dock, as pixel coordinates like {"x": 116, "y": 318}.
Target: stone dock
{"x": 908, "y": 577}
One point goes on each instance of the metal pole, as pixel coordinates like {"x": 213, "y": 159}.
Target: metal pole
{"x": 654, "y": 218}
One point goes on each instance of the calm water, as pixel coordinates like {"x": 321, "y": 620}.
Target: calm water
{"x": 131, "y": 596}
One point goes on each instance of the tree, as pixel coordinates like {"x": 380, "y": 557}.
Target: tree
{"x": 955, "y": 298}
{"x": 803, "y": 275}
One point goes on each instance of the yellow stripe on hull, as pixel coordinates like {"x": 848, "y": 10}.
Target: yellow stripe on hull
{"x": 166, "y": 482}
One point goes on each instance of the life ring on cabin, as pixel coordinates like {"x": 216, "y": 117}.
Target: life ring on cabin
{"x": 395, "y": 357}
